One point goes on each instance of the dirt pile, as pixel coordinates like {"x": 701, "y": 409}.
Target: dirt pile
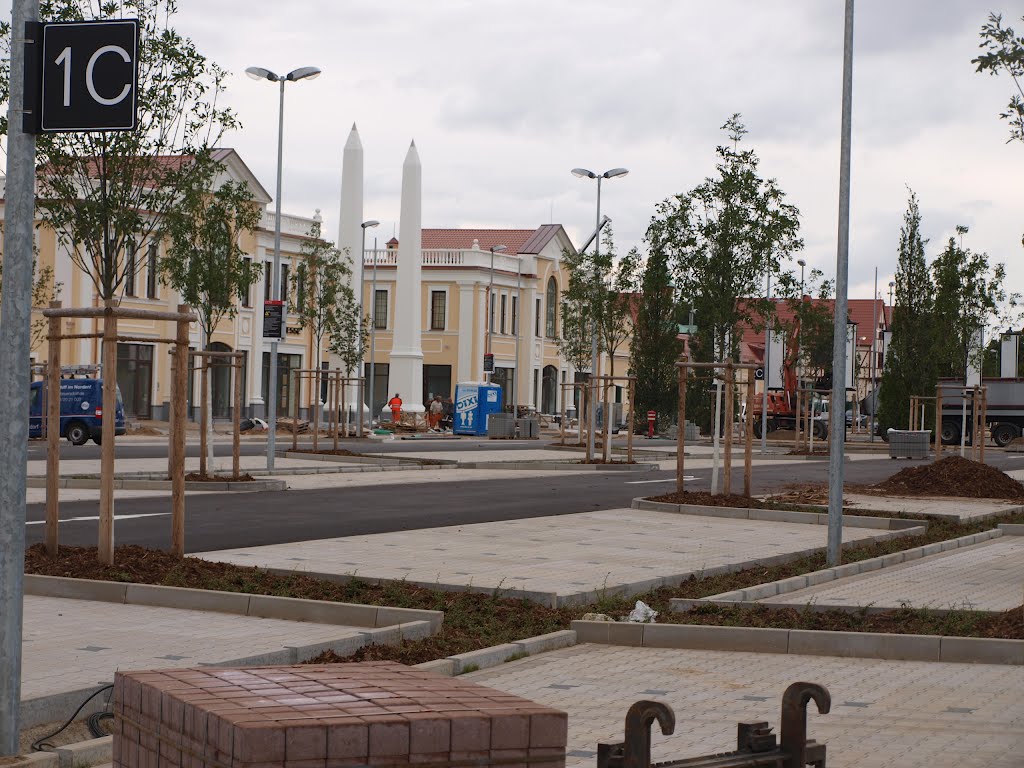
{"x": 953, "y": 476}
{"x": 707, "y": 500}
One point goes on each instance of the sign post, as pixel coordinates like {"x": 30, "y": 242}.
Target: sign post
{"x": 86, "y": 79}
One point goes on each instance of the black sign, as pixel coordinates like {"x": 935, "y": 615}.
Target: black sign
{"x": 488, "y": 363}
{"x": 88, "y": 74}
{"x": 273, "y": 319}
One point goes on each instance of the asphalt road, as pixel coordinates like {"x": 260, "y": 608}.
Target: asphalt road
{"x": 220, "y": 521}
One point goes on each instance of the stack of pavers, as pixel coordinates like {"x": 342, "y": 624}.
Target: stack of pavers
{"x": 373, "y": 713}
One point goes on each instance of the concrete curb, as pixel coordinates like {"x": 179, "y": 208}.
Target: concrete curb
{"x": 39, "y": 760}
{"x": 783, "y": 586}
{"x": 241, "y": 603}
{"x": 860, "y": 645}
{"x": 497, "y": 655}
{"x": 404, "y": 463}
{"x": 557, "y": 465}
{"x": 131, "y": 484}
{"x": 776, "y": 515}
{"x": 85, "y": 753}
{"x": 1011, "y": 529}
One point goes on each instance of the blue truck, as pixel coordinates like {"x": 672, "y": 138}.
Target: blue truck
{"x": 81, "y": 410}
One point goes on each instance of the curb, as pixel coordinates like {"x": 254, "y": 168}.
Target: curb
{"x": 795, "y": 583}
{"x": 496, "y": 655}
{"x": 777, "y": 515}
{"x": 558, "y": 465}
{"x": 858, "y": 645}
{"x": 241, "y": 603}
{"x": 140, "y": 484}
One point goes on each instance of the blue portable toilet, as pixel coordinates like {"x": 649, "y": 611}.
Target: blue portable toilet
{"x": 474, "y": 402}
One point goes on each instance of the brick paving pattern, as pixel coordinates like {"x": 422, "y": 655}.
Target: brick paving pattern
{"x": 961, "y": 509}
{"x": 987, "y": 576}
{"x": 565, "y": 554}
{"x": 884, "y": 714}
{"x": 74, "y": 644}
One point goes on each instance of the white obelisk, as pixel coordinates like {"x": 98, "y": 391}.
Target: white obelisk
{"x": 406, "y": 372}
{"x": 349, "y": 231}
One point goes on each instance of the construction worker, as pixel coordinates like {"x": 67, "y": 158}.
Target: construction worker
{"x": 395, "y": 404}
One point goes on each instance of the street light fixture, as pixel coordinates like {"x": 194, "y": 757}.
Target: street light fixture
{"x": 362, "y": 314}
{"x": 490, "y": 308}
{"x": 259, "y": 73}
{"x": 583, "y": 173}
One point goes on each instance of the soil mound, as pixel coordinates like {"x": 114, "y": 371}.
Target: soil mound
{"x": 953, "y": 476}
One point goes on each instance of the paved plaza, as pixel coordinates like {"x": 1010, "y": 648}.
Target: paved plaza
{"x": 884, "y": 714}
{"x": 564, "y": 555}
{"x": 987, "y": 576}
{"x": 74, "y": 644}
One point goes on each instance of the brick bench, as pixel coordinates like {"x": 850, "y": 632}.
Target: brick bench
{"x": 319, "y": 716}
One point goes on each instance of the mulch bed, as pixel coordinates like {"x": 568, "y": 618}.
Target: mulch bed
{"x": 327, "y": 451}
{"x": 602, "y": 461}
{"x": 705, "y": 499}
{"x": 195, "y": 477}
{"x": 952, "y": 476}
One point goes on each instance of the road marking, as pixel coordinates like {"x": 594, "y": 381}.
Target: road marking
{"x": 666, "y": 480}
{"x": 97, "y": 517}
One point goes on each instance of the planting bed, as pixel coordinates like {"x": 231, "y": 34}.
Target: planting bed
{"x": 706, "y": 499}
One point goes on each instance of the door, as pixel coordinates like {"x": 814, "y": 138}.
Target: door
{"x": 221, "y": 376}
{"x": 549, "y": 390}
{"x": 135, "y": 379}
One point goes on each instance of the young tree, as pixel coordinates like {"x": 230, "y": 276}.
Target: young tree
{"x": 812, "y": 323}
{"x": 598, "y": 291}
{"x": 656, "y": 346}
{"x": 968, "y": 295}
{"x": 1004, "y": 54}
{"x": 909, "y": 365}
{"x": 721, "y": 239}
{"x": 204, "y": 260}
{"x": 107, "y": 193}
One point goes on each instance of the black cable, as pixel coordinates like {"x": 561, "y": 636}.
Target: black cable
{"x": 38, "y": 744}
{"x": 94, "y": 720}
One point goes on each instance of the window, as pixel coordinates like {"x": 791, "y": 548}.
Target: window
{"x": 247, "y": 293}
{"x": 438, "y": 302}
{"x": 551, "y": 318}
{"x": 504, "y": 302}
{"x": 283, "y": 290}
{"x": 130, "y": 267}
{"x": 300, "y": 285}
{"x": 536, "y": 320}
{"x": 151, "y": 271}
{"x": 490, "y": 324}
{"x": 515, "y": 316}
{"x": 267, "y": 266}
{"x": 380, "y": 310}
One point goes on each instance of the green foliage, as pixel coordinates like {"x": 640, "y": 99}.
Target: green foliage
{"x": 722, "y": 238}
{"x": 106, "y": 193}
{"x": 909, "y": 366}
{"x": 656, "y": 347}
{"x": 323, "y": 300}
{"x": 813, "y": 321}
{"x": 44, "y": 290}
{"x": 1004, "y": 54}
{"x": 204, "y": 261}
{"x": 599, "y": 290}
{"x": 968, "y": 295}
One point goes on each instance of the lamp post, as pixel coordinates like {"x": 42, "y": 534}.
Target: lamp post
{"x": 800, "y": 337}
{"x": 359, "y": 295}
{"x": 518, "y": 321}
{"x": 583, "y": 173}
{"x": 767, "y": 369}
{"x": 892, "y": 285}
{"x": 258, "y": 73}
{"x": 373, "y": 336}
{"x": 490, "y": 309}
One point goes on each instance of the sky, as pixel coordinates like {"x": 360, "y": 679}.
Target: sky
{"x": 504, "y": 97}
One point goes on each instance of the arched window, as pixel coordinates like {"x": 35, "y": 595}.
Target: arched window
{"x": 551, "y": 318}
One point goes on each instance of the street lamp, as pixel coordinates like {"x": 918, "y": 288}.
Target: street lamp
{"x": 583, "y": 173}
{"x": 799, "y": 332}
{"x": 362, "y": 314}
{"x": 490, "y": 308}
{"x": 892, "y": 285}
{"x": 373, "y": 336}
{"x": 802, "y": 264}
{"x": 258, "y": 73}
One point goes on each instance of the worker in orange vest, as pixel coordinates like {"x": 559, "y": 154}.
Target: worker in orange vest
{"x": 395, "y": 404}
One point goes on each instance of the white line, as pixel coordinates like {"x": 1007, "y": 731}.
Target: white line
{"x": 667, "y": 480}
{"x": 97, "y": 517}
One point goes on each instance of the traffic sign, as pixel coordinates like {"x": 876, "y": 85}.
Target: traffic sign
{"x": 273, "y": 319}
{"x": 88, "y": 74}
{"x": 759, "y": 374}
{"x": 488, "y": 363}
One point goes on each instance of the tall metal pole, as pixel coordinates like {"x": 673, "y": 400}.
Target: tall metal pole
{"x": 767, "y": 368}
{"x": 837, "y": 414}
{"x": 275, "y": 290}
{"x": 15, "y": 321}
{"x": 592, "y": 416}
{"x": 874, "y": 357}
{"x": 518, "y": 320}
{"x": 359, "y": 301}
{"x": 490, "y": 317}
{"x": 373, "y": 336}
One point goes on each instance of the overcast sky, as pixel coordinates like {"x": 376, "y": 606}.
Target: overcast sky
{"x": 504, "y": 97}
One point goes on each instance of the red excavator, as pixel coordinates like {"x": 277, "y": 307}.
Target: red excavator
{"x": 782, "y": 404}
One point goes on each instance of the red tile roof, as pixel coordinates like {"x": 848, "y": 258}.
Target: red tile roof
{"x": 512, "y": 239}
